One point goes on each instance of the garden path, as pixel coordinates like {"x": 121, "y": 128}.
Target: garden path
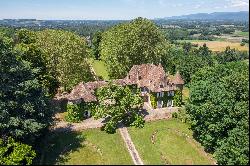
{"x": 130, "y": 146}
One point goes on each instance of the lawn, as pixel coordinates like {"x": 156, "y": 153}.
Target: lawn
{"x": 100, "y": 68}
{"x": 88, "y": 147}
{"x": 172, "y": 144}
{"x": 185, "y": 94}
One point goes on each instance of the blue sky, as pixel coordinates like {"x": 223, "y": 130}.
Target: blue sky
{"x": 113, "y": 9}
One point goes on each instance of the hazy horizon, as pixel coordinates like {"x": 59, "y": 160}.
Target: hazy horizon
{"x": 113, "y": 9}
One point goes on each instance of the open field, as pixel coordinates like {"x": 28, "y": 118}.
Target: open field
{"x": 168, "y": 142}
{"x": 100, "y": 68}
{"x": 240, "y": 33}
{"x": 88, "y": 147}
{"x": 219, "y": 45}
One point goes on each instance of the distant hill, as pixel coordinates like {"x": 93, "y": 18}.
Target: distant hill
{"x": 241, "y": 16}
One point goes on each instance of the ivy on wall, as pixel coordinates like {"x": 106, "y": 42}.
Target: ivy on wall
{"x": 75, "y": 112}
{"x": 177, "y": 98}
{"x": 153, "y": 100}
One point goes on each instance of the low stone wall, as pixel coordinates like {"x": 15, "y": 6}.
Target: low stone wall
{"x": 159, "y": 113}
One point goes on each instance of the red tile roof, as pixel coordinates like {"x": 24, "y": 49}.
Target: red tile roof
{"x": 146, "y": 75}
{"x": 177, "y": 79}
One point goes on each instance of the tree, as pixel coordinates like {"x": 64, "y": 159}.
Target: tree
{"x": 66, "y": 55}
{"x": 95, "y": 44}
{"x": 25, "y": 111}
{"x": 219, "y": 110}
{"x": 229, "y": 55}
{"x": 28, "y": 50}
{"x": 15, "y": 153}
{"x": 187, "y": 63}
{"x": 118, "y": 105}
{"x": 187, "y": 47}
{"x": 128, "y": 44}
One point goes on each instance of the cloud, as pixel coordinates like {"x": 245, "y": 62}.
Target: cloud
{"x": 239, "y": 3}
{"x": 177, "y": 5}
{"x": 197, "y": 6}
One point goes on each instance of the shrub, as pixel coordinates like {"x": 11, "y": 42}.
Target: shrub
{"x": 177, "y": 98}
{"x": 242, "y": 44}
{"x": 174, "y": 114}
{"x": 153, "y": 101}
{"x": 74, "y": 113}
{"x": 138, "y": 122}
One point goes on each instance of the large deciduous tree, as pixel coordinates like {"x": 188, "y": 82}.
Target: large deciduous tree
{"x": 118, "y": 105}
{"x": 27, "y": 50}
{"x": 127, "y": 44}
{"x": 66, "y": 55}
{"x": 219, "y": 109}
{"x": 24, "y": 108}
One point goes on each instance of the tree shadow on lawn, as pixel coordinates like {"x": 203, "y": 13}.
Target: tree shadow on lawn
{"x": 58, "y": 145}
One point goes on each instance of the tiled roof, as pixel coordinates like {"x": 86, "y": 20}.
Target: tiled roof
{"x": 146, "y": 75}
{"x": 177, "y": 79}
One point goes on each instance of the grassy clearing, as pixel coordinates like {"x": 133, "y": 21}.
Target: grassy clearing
{"x": 185, "y": 94}
{"x": 172, "y": 144}
{"x": 88, "y": 147}
{"x": 240, "y": 33}
{"x": 100, "y": 68}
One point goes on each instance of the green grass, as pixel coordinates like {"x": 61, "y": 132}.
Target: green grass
{"x": 185, "y": 94}
{"x": 240, "y": 33}
{"x": 88, "y": 147}
{"x": 100, "y": 68}
{"x": 173, "y": 144}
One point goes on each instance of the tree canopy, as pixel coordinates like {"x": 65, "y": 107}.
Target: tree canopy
{"x": 28, "y": 50}
{"x": 219, "y": 109}
{"x": 25, "y": 110}
{"x": 66, "y": 55}
{"x": 118, "y": 105}
{"x": 15, "y": 153}
{"x": 128, "y": 44}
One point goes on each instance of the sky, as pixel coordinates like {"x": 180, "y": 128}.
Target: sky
{"x": 113, "y": 9}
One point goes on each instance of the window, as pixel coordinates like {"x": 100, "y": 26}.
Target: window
{"x": 139, "y": 77}
{"x": 128, "y": 76}
{"x": 161, "y": 86}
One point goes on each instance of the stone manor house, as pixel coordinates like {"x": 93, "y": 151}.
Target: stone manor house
{"x": 150, "y": 78}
